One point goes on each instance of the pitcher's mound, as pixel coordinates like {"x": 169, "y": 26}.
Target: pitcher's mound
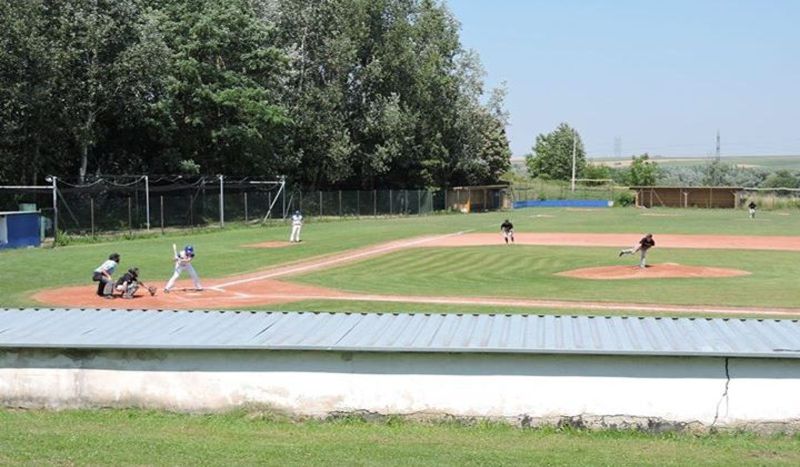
{"x": 655, "y": 271}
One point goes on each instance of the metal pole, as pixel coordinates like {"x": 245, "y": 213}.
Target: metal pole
{"x": 162, "y": 215}
{"x": 283, "y": 190}
{"x": 221, "y": 202}
{"x": 358, "y": 203}
{"x": 320, "y": 203}
{"x": 130, "y": 216}
{"x": 340, "y": 203}
{"x": 55, "y": 211}
{"x": 147, "y": 200}
{"x": 245, "y": 207}
{"x": 390, "y": 202}
{"x": 419, "y": 204}
{"x": 375, "y": 203}
{"x": 91, "y": 213}
{"x": 574, "y": 147}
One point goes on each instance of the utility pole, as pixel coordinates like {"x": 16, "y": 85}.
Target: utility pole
{"x": 574, "y": 147}
{"x": 717, "y": 146}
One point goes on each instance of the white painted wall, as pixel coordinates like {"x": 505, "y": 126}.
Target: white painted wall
{"x": 316, "y": 383}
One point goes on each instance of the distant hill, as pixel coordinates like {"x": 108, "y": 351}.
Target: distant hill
{"x": 763, "y": 162}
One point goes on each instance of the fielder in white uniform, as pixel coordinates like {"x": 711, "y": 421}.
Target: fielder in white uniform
{"x": 183, "y": 262}
{"x": 297, "y": 224}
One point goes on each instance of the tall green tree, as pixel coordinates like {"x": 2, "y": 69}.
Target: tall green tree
{"x": 643, "y": 171}
{"x": 224, "y": 87}
{"x": 552, "y": 154}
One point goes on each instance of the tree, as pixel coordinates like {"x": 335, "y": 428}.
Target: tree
{"x": 596, "y": 172}
{"x": 781, "y": 179}
{"x": 552, "y": 154}
{"x": 643, "y": 171}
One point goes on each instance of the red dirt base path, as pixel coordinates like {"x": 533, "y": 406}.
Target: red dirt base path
{"x": 656, "y": 271}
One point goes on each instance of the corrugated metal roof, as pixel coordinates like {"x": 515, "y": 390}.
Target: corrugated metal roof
{"x": 401, "y": 332}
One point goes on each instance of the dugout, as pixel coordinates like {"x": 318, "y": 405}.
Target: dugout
{"x": 479, "y": 198}
{"x": 686, "y": 197}
{"x": 19, "y": 229}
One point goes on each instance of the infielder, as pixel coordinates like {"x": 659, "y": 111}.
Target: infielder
{"x": 508, "y": 231}
{"x": 752, "y": 208}
{"x": 183, "y": 262}
{"x": 102, "y": 275}
{"x": 644, "y": 245}
{"x": 297, "y": 224}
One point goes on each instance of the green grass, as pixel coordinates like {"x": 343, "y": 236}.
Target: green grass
{"x": 112, "y": 437}
{"x": 220, "y": 253}
{"x": 529, "y": 272}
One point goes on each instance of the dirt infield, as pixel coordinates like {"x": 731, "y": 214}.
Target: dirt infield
{"x": 656, "y": 271}
{"x": 713, "y": 242}
{"x": 269, "y": 286}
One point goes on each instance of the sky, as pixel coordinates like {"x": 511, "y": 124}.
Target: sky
{"x": 657, "y": 76}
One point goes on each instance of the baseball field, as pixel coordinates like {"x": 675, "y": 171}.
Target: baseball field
{"x": 705, "y": 262}
{"x": 442, "y": 263}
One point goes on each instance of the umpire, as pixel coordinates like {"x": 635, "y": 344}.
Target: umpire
{"x": 102, "y": 275}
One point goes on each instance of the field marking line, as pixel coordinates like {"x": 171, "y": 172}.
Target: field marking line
{"x": 312, "y": 264}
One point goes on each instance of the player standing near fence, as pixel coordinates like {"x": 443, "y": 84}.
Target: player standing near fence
{"x": 507, "y": 228}
{"x": 102, "y": 275}
{"x": 752, "y": 208}
{"x": 183, "y": 262}
{"x": 297, "y": 225}
{"x": 644, "y": 245}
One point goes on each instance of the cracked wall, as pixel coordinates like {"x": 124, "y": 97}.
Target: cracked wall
{"x": 573, "y": 389}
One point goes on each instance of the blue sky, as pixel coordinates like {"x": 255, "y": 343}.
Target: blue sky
{"x": 663, "y": 76}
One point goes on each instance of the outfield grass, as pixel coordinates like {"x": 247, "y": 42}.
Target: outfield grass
{"x": 529, "y": 272}
{"x": 145, "y": 437}
{"x": 220, "y": 253}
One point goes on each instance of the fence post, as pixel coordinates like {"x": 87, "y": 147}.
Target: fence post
{"x": 221, "y": 202}
{"x": 245, "y": 207}
{"x": 375, "y": 203}
{"x": 300, "y": 203}
{"x": 147, "y": 200}
{"x": 390, "y": 202}
{"x": 130, "y": 218}
{"x": 269, "y": 202}
{"x": 320, "y": 203}
{"x": 340, "y": 203}
{"x": 419, "y": 204}
{"x": 162, "y": 215}
{"x": 445, "y": 200}
{"x": 91, "y": 212}
{"x": 358, "y": 203}
{"x": 191, "y": 210}
{"x": 55, "y": 211}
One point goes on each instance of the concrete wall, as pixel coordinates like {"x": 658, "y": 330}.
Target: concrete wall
{"x": 683, "y": 390}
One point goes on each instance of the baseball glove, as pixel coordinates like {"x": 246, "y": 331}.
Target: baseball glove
{"x": 152, "y": 291}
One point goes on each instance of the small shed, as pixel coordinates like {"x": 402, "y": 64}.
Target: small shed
{"x": 480, "y": 198}
{"x": 19, "y": 229}
{"x": 686, "y": 197}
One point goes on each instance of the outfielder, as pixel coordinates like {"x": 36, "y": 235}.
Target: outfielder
{"x": 102, "y": 275}
{"x": 508, "y": 231}
{"x": 644, "y": 245}
{"x": 297, "y": 225}
{"x": 183, "y": 262}
{"x": 752, "y": 208}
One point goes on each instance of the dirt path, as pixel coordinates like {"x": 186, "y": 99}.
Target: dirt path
{"x": 264, "y": 288}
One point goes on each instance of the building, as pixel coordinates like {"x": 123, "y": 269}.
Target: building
{"x": 605, "y": 370}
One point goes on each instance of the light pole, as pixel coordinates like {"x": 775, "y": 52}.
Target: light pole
{"x": 574, "y": 147}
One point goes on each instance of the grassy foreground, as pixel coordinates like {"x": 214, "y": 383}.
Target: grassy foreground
{"x": 144, "y": 437}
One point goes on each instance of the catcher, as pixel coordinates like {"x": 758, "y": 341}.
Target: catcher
{"x": 129, "y": 283}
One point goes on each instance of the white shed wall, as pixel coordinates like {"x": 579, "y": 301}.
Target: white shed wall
{"x": 685, "y": 389}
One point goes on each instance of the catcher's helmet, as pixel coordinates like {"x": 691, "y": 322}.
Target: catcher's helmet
{"x": 114, "y": 257}
{"x": 134, "y": 271}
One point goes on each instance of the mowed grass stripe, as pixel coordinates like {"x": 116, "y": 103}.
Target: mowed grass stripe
{"x": 529, "y": 272}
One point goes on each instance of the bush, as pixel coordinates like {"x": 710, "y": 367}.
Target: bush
{"x": 624, "y": 198}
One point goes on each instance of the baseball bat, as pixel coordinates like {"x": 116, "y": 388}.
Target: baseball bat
{"x": 174, "y": 250}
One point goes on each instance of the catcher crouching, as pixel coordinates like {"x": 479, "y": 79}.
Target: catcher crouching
{"x": 129, "y": 284}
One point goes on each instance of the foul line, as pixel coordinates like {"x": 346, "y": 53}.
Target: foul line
{"x": 315, "y": 265}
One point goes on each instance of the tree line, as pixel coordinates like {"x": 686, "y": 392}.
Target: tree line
{"x": 330, "y": 93}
